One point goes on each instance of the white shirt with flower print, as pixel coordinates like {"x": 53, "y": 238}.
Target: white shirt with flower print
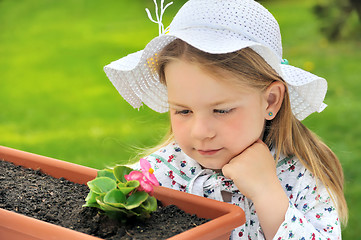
{"x": 311, "y": 213}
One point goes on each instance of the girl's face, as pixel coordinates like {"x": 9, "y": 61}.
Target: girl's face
{"x": 212, "y": 120}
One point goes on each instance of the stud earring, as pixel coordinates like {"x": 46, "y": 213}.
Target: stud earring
{"x": 270, "y": 114}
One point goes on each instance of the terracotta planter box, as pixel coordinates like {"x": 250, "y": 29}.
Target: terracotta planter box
{"x": 225, "y": 217}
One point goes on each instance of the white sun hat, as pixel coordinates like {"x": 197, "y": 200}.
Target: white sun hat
{"x": 216, "y": 26}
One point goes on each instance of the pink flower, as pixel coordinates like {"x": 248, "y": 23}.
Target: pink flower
{"x": 147, "y": 170}
{"x": 146, "y": 177}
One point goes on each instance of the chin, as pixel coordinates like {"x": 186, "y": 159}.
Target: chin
{"x": 216, "y": 168}
{"x": 214, "y": 164}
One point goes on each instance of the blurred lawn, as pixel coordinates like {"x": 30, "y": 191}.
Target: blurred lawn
{"x": 56, "y": 101}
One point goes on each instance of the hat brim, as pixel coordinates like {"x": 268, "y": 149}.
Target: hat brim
{"x": 306, "y": 91}
{"x": 136, "y": 80}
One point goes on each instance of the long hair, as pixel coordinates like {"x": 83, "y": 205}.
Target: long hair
{"x": 285, "y": 132}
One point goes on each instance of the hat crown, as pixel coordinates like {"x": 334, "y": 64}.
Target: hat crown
{"x": 243, "y": 19}
{"x": 216, "y": 27}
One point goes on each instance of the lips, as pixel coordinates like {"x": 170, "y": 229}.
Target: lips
{"x": 208, "y": 152}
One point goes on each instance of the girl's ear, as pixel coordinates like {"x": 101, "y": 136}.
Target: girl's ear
{"x": 274, "y": 97}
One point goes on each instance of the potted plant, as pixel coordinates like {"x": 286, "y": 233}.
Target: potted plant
{"x": 224, "y": 217}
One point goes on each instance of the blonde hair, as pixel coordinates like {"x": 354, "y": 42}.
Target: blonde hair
{"x": 286, "y": 133}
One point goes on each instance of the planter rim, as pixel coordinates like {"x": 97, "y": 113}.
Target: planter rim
{"x": 225, "y": 217}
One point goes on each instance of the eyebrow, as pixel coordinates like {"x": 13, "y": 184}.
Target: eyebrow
{"x": 226, "y": 101}
{"x": 176, "y": 104}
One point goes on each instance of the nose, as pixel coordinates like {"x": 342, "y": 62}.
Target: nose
{"x": 202, "y": 128}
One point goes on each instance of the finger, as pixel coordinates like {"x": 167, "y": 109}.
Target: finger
{"x": 260, "y": 141}
{"x": 226, "y": 171}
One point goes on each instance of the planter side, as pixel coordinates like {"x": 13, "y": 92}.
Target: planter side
{"x": 225, "y": 217}
{"x": 16, "y": 226}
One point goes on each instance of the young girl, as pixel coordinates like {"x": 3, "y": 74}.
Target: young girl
{"x": 235, "y": 108}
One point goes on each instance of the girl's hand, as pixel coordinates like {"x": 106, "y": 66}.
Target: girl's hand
{"x": 254, "y": 173}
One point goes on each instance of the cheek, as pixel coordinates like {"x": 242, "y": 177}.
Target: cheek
{"x": 178, "y": 128}
{"x": 235, "y": 128}
{"x": 247, "y": 127}
{"x": 174, "y": 123}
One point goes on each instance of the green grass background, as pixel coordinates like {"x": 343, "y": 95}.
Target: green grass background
{"x": 55, "y": 99}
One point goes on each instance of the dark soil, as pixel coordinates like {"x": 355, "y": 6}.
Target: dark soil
{"x": 60, "y": 201}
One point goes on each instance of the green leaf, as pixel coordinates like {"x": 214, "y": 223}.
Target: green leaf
{"x": 105, "y": 207}
{"x": 121, "y": 184}
{"x": 150, "y": 204}
{"x": 126, "y": 188}
{"x": 102, "y": 185}
{"x": 106, "y": 173}
{"x": 136, "y": 199}
{"x": 91, "y": 205}
{"x": 115, "y": 198}
{"x": 120, "y": 171}
{"x": 91, "y": 198}
{"x": 132, "y": 183}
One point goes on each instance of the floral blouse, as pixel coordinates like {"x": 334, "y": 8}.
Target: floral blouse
{"x": 311, "y": 213}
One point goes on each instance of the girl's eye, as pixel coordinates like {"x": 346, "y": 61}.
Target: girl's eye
{"x": 182, "y": 112}
{"x": 222, "y": 111}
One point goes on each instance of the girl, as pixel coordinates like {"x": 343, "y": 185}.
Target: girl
{"x": 235, "y": 109}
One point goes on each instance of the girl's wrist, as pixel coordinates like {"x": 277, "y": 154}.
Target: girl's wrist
{"x": 271, "y": 207}
{"x": 269, "y": 193}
